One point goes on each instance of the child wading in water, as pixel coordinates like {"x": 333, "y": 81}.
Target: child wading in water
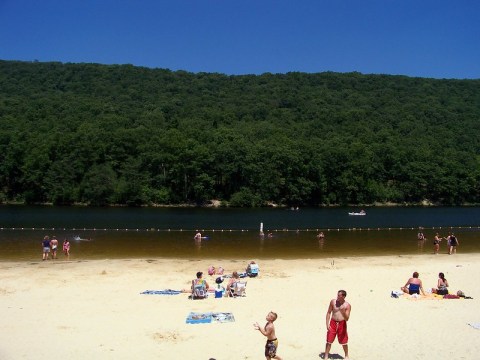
{"x": 269, "y": 331}
{"x": 66, "y": 247}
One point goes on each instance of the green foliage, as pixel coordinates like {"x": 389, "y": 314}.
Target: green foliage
{"x": 98, "y": 185}
{"x": 245, "y": 198}
{"x": 114, "y": 134}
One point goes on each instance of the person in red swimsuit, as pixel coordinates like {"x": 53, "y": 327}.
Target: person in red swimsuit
{"x": 338, "y": 314}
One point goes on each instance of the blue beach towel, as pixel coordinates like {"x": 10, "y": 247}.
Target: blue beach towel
{"x": 199, "y": 318}
{"x": 161, "y": 292}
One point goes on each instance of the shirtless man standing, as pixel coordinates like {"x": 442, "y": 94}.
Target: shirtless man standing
{"x": 269, "y": 331}
{"x": 338, "y": 314}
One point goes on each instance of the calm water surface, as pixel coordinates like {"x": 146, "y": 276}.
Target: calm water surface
{"x": 233, "y": 233}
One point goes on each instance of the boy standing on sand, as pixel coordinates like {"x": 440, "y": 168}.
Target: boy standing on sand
{"x": 338, "y": 314}
{"x": 269, "y": 331}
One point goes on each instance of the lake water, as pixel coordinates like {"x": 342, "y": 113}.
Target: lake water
{"x": 233, "y": 233}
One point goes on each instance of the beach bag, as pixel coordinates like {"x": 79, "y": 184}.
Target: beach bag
{"x": 252, "y": 270}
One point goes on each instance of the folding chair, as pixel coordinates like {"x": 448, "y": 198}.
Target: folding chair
{"x": 239, "y": 288}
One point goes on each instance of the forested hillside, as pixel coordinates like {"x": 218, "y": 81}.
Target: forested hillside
{"x": 98, "y": 134}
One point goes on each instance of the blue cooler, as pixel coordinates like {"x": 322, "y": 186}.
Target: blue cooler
{"x": 219, "y": 291}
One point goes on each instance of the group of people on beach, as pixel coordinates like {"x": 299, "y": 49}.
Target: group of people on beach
{"x": 452, "y": 242}
{"x": 337, "y": 315}
{"x": 51, "y": 246}
{"x": 414, "y": 285}
{"x": 200, "y": 287}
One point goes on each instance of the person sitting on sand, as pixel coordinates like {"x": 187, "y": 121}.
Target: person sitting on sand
{"x": 219, "y": 290}
{"x": 199, "y": 287}
{"x": 442, "y": 285}
{"x": 252, "y": 269}
{"x": 211, "y": 270}
{"x": 231, "y": 283}
{"x": 413, "y": 285}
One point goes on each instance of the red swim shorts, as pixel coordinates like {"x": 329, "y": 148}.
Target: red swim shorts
{"x": 337, "y": 328}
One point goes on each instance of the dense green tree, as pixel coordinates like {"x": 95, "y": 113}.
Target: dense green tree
{"x": 121, "y": 134}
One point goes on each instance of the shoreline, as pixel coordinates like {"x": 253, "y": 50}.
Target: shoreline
{"x": 364, "y": 256}
{"x": 61, "y": 259}
{"x": 216, "y": 204}
{"x": 94, "y": 309}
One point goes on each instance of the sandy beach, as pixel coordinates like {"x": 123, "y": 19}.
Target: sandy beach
{"x": 94, "y": 309}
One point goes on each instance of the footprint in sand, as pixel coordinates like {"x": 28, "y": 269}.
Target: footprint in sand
{"x": 168, "y": 336}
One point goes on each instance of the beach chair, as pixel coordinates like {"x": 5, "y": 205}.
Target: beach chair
{"x": 239, "y": 289}
{"x": 199, "y": 291}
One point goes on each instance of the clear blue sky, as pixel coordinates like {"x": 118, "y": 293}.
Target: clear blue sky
{"x": 426, "y": 38}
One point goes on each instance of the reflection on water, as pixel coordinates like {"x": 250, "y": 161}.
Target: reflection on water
{"x": 26, "y": 244}
{"x": 198, "y": 245}
{"x": 321, "y": 243}
{"x": 189, "y": 219}
{"x": 421, "y": 244}
{"x": 233, "y": 233}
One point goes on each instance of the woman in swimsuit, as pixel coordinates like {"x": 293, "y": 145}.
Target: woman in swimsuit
{"x": 413, "y": 285}
{"x": 66, "y": 247}
{"x": 453, "y": 244}
{"x": 436, "y": 243}
{"x": 442, "y": 285}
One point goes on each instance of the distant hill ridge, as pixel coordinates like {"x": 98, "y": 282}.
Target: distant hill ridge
{"x": 120, "y": 134}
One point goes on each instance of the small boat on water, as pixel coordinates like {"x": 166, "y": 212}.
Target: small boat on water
{"x": 360, "y": 213}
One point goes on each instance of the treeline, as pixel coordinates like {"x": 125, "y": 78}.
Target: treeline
{"x": 98, "y": 134}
